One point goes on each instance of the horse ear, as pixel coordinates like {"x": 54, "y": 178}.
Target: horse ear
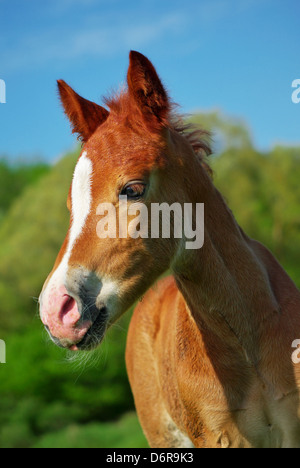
{"x": 147, "y": 91}
{"x": 85, "y": 116}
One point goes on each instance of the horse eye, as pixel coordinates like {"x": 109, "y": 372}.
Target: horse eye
{"x": 134, "y": 190}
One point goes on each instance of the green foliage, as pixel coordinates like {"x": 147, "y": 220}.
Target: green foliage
{"x": 14, "y": 178}
{"x": 125, "y": 433}
{"x": 30, "y": 239}
{"x": 48, "y": 399}
{"x": 44, "y": 389}
{"x": 226, "y": 133}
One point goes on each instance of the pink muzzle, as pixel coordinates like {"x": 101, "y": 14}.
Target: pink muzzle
{"x": 59, "y": 313}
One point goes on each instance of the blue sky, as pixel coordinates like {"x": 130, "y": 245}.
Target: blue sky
{"x": 239, "y": 56}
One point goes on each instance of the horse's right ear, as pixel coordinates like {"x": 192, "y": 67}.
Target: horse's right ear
{"x": 85, "y": 116}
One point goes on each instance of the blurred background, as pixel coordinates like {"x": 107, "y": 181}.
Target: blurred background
{"x": 230, "y": 64}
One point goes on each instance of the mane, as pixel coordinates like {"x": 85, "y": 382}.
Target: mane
{"x": 199, "y": 139}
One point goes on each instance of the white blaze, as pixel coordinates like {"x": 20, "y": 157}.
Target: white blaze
{"x": 81, "y": 202}
{"x": 81, "y": 199}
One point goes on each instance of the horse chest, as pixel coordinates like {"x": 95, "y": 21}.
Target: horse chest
{"x": 262, "y": 423}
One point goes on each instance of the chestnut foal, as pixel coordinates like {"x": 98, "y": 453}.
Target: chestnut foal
{"x": 209, "y": 348}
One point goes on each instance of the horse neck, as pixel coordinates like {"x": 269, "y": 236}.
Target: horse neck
{"x": 225, "y": 284}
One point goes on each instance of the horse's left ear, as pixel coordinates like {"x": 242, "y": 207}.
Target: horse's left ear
{"x": 85, "y": 116}
{"x": 147, "y": 91}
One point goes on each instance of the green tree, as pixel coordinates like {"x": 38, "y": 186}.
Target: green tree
{"x": 30, "y": 237}
{"x": 14, "y": 177}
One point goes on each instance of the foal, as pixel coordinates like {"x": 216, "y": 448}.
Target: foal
{"x": 209, "y": 348}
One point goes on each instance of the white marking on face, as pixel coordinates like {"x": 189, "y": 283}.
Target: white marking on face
{"x": 81, "y": 197}
{"x": 81, "y": 200}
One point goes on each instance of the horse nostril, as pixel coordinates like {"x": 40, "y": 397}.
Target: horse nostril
{"x": 69, "y": 314}
{"x": 69, "y": 304}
